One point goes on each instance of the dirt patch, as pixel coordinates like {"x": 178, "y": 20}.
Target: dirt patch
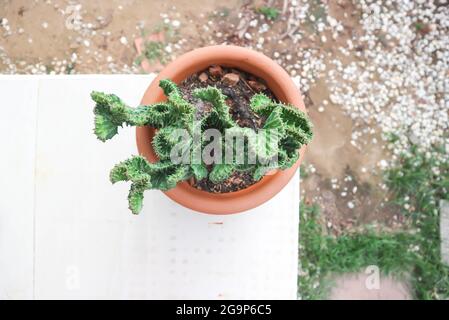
{"x": 62, "y": 36}
{"x": 351, "y": 204}
{"x": 346, "y": 180}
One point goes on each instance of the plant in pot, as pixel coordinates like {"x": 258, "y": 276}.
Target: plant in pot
{"x": 225, "y": 139}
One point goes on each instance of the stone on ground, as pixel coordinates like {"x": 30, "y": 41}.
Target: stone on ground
{"x": 444, "y": 230}
{"x": 354, "y": 287}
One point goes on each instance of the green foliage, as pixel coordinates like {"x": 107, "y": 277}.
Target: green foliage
{"x": 220, "y": 112}
{"x": 269, "y": 12}
{"x": 421, "y": 181}
{"x": 414, "y": 181}
{"x": 199, "y": 171}
{"x": 221, "y": 172}
{"x": 162, "y": 175}
{"x": 111, "y": 113}
{"x": 153, "y": 51}
{"x": 322, "y": 256}
{"x": 169, "y": 87}
{"x": 287, "y": 129}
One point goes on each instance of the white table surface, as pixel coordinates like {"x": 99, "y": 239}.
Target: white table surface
{"x": 66, "y": 232}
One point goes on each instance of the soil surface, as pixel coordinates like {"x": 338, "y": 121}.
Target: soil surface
{"x": 239, "y": 87}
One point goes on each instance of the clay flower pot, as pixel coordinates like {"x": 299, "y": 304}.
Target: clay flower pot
{"x": 254, "y": 63}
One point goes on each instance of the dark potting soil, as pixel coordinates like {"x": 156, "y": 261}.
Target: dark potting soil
{"x": 239, "y": 87}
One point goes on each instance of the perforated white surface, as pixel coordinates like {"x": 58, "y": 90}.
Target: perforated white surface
{"x": 66, "y": 232}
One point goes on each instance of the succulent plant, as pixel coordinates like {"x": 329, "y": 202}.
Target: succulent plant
{"x": 286, "y": 130}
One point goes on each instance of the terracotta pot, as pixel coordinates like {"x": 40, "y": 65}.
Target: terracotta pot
{"x": 254, "y": 63}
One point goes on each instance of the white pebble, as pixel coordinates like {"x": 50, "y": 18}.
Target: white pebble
{"x": 123, "y": 40}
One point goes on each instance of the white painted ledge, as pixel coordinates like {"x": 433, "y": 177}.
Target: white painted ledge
{"x": 66, "y": 232}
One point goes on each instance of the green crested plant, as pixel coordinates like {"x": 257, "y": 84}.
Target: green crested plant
{"x": 288, "y": 129}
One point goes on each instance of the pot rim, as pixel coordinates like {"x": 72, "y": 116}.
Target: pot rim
{"x": 254, "y": 63}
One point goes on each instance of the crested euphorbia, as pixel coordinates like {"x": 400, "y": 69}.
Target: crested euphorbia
{"x": 285, "y": 130}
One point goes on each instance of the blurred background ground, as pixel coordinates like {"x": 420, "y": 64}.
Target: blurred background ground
{"x": 373, "y": 74}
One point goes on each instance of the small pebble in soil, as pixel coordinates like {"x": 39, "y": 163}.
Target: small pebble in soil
{"x": 231, "y": 79}
{"x": 257, "y": 86}
{"x": 203, "y": 77}
{"x": 215, "y": 71}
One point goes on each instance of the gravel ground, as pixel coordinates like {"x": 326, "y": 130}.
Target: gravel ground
{"x": 369, "y": 71}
